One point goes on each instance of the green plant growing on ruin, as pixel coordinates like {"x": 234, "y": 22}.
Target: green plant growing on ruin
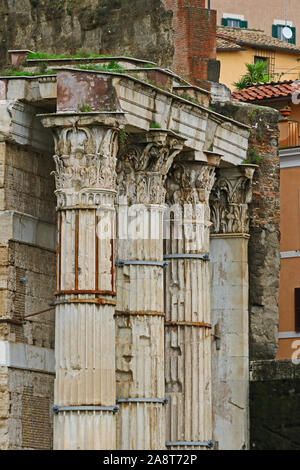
{"x": 155, "y": 125}
{"x": 148, "y": 66}
{"x": 254, "y": 157}
{"x": 123, "y": 138}
{"x": 152, "y": 83}
{"x": 256, "y": 73}
{"x": 48, "y": 55}
{"x": 11, "y": 72}
{"x": 251, "y": 115}
{"x": 113, "y": 66}
{"x": 72, "y": 4}
{"x": 84, "y": 108}
{"x": 189, "y": 98}
{"x": 54, "y": 6}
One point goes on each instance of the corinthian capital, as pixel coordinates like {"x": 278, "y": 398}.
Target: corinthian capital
{"x": 229, "y": 200}
{"x": 85, "y": 156}
{"x": 190, "y": 182}
{"x": 143, "y": 164}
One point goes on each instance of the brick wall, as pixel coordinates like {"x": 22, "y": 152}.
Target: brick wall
{"x": 25, "y": 396}
{"x": 195, "y": 40}
{"x": 30, "y": 420}
{"x": 28, "y": 185}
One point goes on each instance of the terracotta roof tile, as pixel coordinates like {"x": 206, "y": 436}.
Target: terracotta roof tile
{"x": 234, "y": 38}
{"x": 265, "y": 91}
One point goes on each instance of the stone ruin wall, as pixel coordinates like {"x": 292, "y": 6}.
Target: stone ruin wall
{"x": 66, "y": 26}
{"x": 27, "y": 198}
{"x": 264, "y": 242}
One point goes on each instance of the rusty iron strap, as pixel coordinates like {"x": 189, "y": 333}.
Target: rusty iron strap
{"x": 20, "y": 322}
{"x": 87, "y": 301}
{"x": 11, "y": 320}
{"x": 142, "y": 312}
{"x": 188, "y": 323}
{"x": 38, "y": 313}
{"x": 76, "y": 292}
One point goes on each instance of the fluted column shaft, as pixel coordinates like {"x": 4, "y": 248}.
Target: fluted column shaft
{"x": 230, "y": 197}
{"x": 143, "y": 166}
{"x": 85, "y": 382}
{"x": 187, "y": 303}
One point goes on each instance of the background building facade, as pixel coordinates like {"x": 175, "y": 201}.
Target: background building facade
{"x": 268, "y": 16}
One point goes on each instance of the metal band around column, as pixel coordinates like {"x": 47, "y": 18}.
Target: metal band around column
{"x": 98, "y": 301}
{"x": 58, "y": 409}
{"x": 191, "y": 443}
{"x": 188, "y": 323}
{"x": 120, "y": 263}
{"x": 204, "y": 256}
{"x": 151, "y": 313}
{"x": 164, "y": 401}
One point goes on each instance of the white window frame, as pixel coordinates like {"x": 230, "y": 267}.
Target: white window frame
{"x": 233, "y": 17}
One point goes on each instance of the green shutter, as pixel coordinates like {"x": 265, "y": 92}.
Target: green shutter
{"x": 224, "y": 21}
{"x": 275, "y": 31}
{"x": 293, "y": 38}
{"x": 243, "y": 24}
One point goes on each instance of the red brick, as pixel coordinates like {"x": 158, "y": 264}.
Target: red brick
{"x": 195, "y": 37}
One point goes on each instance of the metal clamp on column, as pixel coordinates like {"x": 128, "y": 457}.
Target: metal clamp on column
{"x": 120, "y": 263}
{"x": 204, "y": 256}
{"x": 209, "y": 444}
{"x": 164, "y": 401}
{"x": 58, "y": 409}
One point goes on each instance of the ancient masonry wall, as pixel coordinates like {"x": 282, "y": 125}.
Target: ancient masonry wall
{"x": 274, "y": 423}
{"x": 264, "y": 242}
{"x": 27, "y": 283}
{"x": 96, "y": 26}
{"x": 179, "y": 34}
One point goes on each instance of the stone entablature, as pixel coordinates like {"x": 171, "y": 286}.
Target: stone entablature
{"x": 144, "y": 102}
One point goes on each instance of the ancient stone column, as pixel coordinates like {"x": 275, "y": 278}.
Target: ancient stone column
{"x": 187, "y": 304}
{"x": 229, "y": 279}
{"x": 85, "y": 401}
{"x": 143, "y": 164}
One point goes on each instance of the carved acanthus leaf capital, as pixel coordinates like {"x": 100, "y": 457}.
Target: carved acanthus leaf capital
{"x": 85, "y": 158}
{"x": 86, "y": 146}
{"x": 229, "y": 200}
{"x": 190, "y": 182}
{"x": 143, "y": 164}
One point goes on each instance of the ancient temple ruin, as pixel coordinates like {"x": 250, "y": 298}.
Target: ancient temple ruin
{"x": 151, "y": 265}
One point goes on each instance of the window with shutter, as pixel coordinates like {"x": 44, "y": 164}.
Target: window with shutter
{"x": 297, "y": 310}
{"x": 277, "y": 33}
{"x": 234, "y": 23}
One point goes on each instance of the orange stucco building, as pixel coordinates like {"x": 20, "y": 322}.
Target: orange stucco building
{"x": 282, "y": 95}
{"x": 289, "y": 334}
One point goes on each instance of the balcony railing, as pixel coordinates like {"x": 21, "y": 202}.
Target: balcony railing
{"x": 289, "y": 133}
